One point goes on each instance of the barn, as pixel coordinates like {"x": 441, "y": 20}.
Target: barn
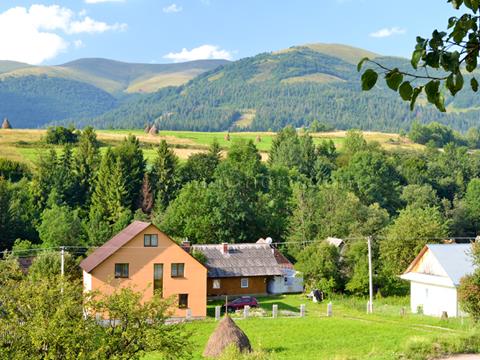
{"x": 434, "y": 277}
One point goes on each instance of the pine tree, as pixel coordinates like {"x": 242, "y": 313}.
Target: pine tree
{"x": 132, "y": 166}
{"x": 164, "y": 176}
{"x": 87, "y": 160}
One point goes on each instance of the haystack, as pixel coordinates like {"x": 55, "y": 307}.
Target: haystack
{"x": 153, "y": 130}
{"x": 6, "y": 124}
{"x": 226, "y": 334}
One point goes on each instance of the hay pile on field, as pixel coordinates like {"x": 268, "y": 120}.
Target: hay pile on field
{"x": 226, "y": 334}
{"x": 153, "y": 130}
{"x": 6, "y": 124}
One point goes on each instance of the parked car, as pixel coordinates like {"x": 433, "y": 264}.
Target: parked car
{"x": 240, "y": 303}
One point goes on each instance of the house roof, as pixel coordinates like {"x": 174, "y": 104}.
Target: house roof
{"x": 240, "y": 260}
{"x": 112, "y": 245}
{"x": 455, "y": 259}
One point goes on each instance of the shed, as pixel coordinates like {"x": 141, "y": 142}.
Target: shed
{"x": 434, "y": 277}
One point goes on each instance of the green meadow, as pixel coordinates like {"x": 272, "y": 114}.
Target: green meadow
{"x": 349, "y": 334}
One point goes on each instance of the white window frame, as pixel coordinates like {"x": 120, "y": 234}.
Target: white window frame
{"x": 244, "y": 283}
{"x": 216, "y": 284}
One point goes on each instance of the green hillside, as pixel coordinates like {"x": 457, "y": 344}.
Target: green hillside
{"x": 114, "y": 76}
{"x": 294, "y": 86}
{"x": 33, "y": 101}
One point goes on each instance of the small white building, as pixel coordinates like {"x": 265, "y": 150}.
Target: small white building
{"x": 434, "y": 276}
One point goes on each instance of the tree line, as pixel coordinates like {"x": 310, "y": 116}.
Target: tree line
{"x": 306, "y": 192}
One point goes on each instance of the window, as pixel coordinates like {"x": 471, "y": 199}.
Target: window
{"x": 178, "y": 269}
{"x": 150, "y": 240}
{"x": 183, "y": 301}
{"x": 244, "y": 283}
{"x": 121, "y": 271}
{"x": 158, "y": 277}
{"x": 216, "y": 283}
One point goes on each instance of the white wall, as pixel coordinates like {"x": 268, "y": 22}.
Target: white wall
{"x": 87, "y": 281}
{"x": 434, "y": 299}
{"x": 291, "y": 282}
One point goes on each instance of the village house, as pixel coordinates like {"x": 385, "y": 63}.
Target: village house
{"x": 248, "y": 269}
{"x": 144, "y": 258}
{"x": 434, "y": 277}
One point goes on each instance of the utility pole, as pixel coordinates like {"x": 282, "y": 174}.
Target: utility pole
{"x": 62, "y": 265}
{"x": 370, "y": 280}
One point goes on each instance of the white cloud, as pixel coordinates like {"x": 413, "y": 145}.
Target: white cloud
{"x": 101, "y": 1}
{"x": 199, "y": 53}
{"x": 78, "y": 44}
{"x": 386, "y": 32}
{"x": 172, "y": 8}
{"x": 35, "y": 33}
{"x": 90, "y": 26}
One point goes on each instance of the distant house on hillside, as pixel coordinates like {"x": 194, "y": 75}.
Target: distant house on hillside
{"x": 248, "y": 269}
{"x": 144, "y": 258}
{"x": 434, "y": 276}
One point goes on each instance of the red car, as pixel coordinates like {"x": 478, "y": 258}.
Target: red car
{"x": 240, "y": 303}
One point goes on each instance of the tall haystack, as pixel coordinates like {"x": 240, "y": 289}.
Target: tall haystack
{"x": 153, "y": 130}
{"x": 6, "y": 124}
{"x": 226, "y": 334}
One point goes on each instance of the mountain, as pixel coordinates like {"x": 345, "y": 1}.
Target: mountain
{"x": 32, "y": 96}
{"x": 294, "y": 86}
{"x": 115, "y": 76}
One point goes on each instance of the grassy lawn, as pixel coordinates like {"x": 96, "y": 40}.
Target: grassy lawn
{"x": 349, "y": 334}
{"x": 27, "y": 144}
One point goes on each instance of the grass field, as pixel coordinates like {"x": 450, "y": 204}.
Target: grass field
{"x": 27, "y": 145}
{"x": 348, "y": 334}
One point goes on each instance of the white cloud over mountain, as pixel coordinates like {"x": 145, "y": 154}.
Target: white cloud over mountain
{"x": 35, "y": 34}
{"x": 200, "y": 53}
{"x": 386, "y": 32}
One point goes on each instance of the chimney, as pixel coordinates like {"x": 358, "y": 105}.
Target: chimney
{"x": 186, "y": 245}
{"x": 225, "y": 248}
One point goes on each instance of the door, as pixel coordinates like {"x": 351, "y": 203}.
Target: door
{"x": 158, "y": 278}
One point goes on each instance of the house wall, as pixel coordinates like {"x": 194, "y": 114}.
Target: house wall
{"x": 434, "y": 299}
{"x": 289, "y": 283}
{"x": 141, "y": 260}
{"x": 257, "y": 285}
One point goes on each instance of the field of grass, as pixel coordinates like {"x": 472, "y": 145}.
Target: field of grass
{"x": 349, "y": 334}
{"x": 27, "y": 145}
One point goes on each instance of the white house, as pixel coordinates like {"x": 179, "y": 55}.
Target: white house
{"x": 434, "y": 276}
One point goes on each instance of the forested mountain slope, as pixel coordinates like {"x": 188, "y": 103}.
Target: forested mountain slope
{"x": 290, "y": 87}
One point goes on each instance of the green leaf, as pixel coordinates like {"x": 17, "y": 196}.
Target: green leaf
{"x": 360, "y": 64}
{"x": 440, "y": 102}
{"x": 416, "y": 56}
{"x": 394, "y": 78}
{"x": 415, "y": 94}
{"x": 431, "y": 89}
{"x": 474, "y": 84}
{"x": 369, "y": 79}
{"x": 406, "y": 91}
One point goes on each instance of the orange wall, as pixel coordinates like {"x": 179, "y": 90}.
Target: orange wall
{"x": 231, "y": 286}
{"x": 141, "y": 260}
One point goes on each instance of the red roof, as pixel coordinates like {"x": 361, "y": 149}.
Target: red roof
{"x": 112, "y": 245}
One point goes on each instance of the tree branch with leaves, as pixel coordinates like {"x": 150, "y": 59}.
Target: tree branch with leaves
{"x": 449, "y": 54}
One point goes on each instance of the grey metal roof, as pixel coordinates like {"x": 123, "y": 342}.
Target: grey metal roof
{"x": 241, "y": 260}
{"x": 455, "y": 259}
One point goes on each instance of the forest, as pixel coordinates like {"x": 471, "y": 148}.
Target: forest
{"x": 278, "y": 90}
{"x": 79, "y": 198}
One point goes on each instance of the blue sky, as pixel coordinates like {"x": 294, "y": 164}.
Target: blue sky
{"x": 161, "y": 31}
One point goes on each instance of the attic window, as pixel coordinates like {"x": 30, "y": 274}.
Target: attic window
{"x": 150, "y": 240}
{"x": 121, "y": 271}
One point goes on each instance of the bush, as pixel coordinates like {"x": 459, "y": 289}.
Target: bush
{"x": 60, "y": 135}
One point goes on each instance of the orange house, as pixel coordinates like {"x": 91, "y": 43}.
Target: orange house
{"x": 146, "y": 259}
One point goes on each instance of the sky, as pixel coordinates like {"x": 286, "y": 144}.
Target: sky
{"x": 165, "y": 31}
